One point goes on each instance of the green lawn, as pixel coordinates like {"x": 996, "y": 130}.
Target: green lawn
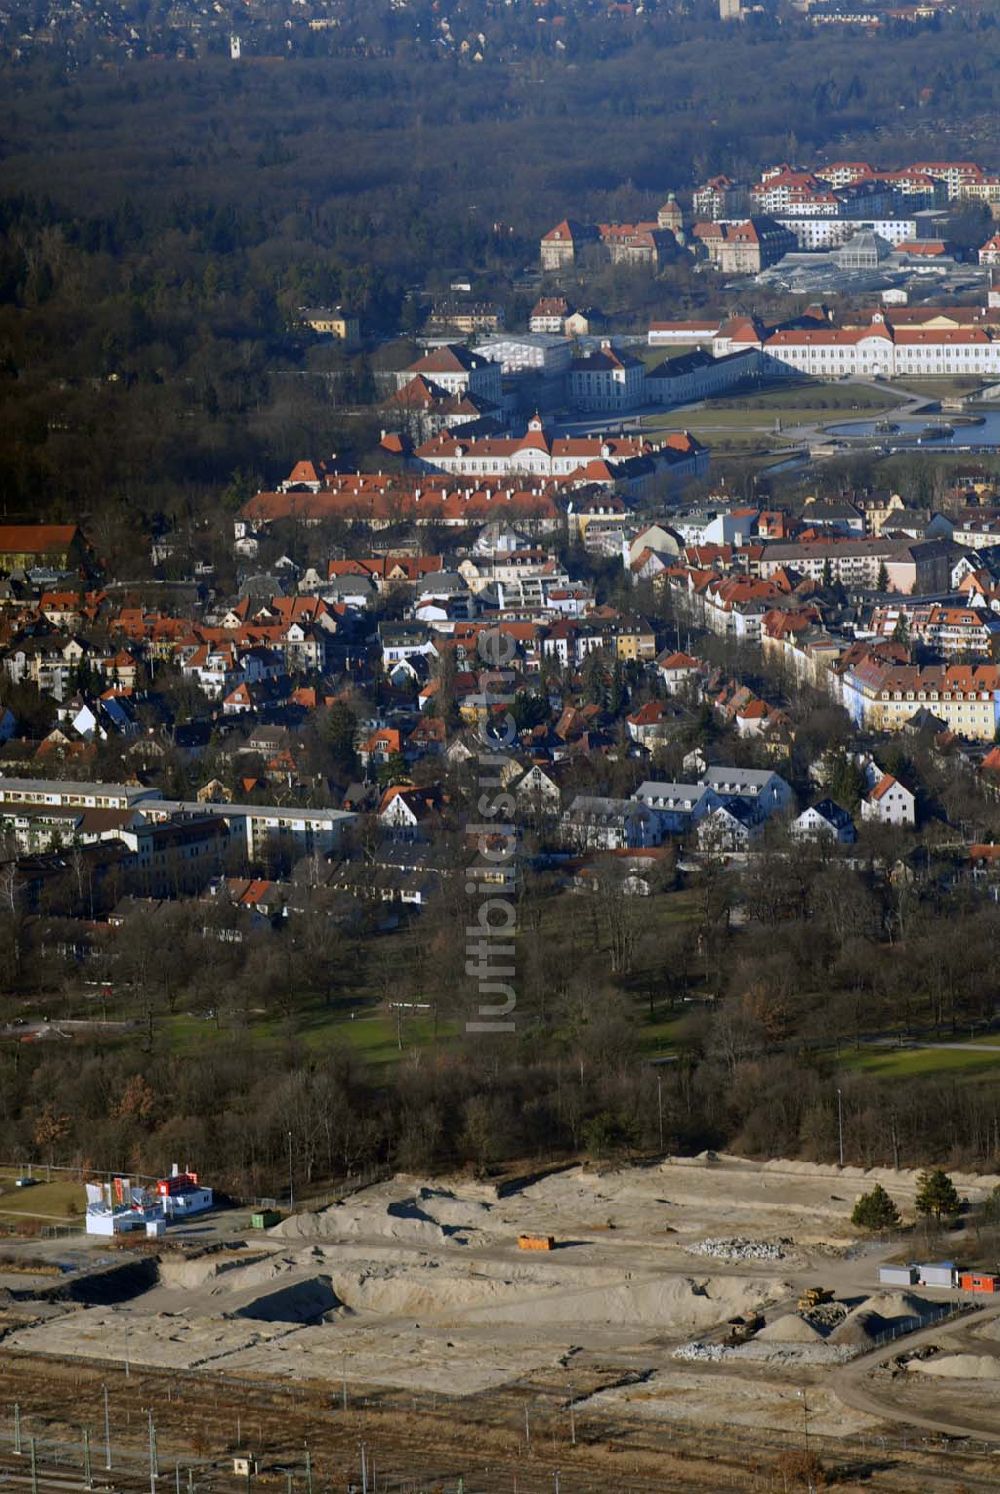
{"x": 739, "y": 425}
{"x": 662, "y": 1034}
{"x": 811, "y": 396}
{"x": 907, "y": 1063}
{"x": 47, "y": 1202}
{"x": 371, "y": 1033}
{"x": 957, "y": 388}
{"x": 374, "y": 1036}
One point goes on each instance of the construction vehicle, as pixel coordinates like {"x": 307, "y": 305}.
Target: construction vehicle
{"x": 741, "y": 1330}
{"x": 812, "y": 1297}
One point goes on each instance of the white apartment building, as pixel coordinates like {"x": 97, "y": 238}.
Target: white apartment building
{"x": 954, "y": 174}
{"x": 977, "y": 533}
{"x": 854, "y": 562}
{"x": 256, "y": 825}
{"x": 817, "y": 232}
{"x": 952, "y": 632}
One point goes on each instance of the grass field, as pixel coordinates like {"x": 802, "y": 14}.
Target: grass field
{"x": 660, "y": 1036}
{"x": 371, "y": 1032}
{"x": 51, "y": 1203}
{"x": 737, "y": 423}
{"x": 958, "y": 388}
{"x": 909, "y": 1063}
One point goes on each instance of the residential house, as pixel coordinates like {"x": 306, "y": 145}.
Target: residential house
{"x": 377, "y": 749}
{"x": 677, "y": 806}
{"x": 657, "y": 722}
{"x": 678, "y": 671}
{"x": 332, "y": 321}
{"x": 402, "y": 640}
{"x": 758, "y": 786}
{"x": 408, "y": 813}
{"x": 824, "y": 820}
{"x": 592, "y": 823}
{"x": 732, "y": 826}
{"x": 549, "y": 315}
{"x": 25, "y": 547}
{"x": 889, "y": 803}
{"x": 458, "y": 371}
{"x": 537, "y": 789}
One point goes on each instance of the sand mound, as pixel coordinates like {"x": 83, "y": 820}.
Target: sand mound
{"x": 859, "y": 1330}
{"x": 179, "y": 1271}
{"x": 452, "y": 1210}
{"x": 403, "y": 1221}
{"x": 885, "y": 1312}
{"x": 304, "y": 1301}
{"x": 905, "y": 1179}
{"x": 409, "y": 1210}
{"x": 664, "y": 1303}
{"x": 958, "y": 1366}
{"x": 426, "y": 1292}
{"x": 989, "y": 1329}
{"x": 900, "y": 1305}
{"x": 791, "y": 1329}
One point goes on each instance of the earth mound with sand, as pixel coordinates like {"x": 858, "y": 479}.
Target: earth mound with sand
{"x": 886, "y": 1312}
{"x": 193, "y": 1273}
{"x": 309, "y": 1300}
{"x": 958, "y": 1366}
{"x": 428, "y": 1216}
{"x": 791, "y": 1329}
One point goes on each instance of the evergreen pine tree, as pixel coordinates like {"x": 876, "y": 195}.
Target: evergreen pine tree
{"x": 875, "y": 1210}
{"x": 937, "y": 1195}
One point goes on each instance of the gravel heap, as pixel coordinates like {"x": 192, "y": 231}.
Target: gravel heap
{"x": 699, "y": 1351}
{"x": 740, "y": 1249}
{"x": 781, "y": 1354}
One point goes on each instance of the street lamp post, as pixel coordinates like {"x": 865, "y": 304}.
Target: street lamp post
{"x": 840, "y": 1124}
{"x": 291, "y": 1184}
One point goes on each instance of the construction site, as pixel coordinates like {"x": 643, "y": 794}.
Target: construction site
{"x": 702, "y": 1323}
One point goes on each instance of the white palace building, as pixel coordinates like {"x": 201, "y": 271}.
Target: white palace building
{"x": 906, "y": 342}
{"x": 882, "y": 349}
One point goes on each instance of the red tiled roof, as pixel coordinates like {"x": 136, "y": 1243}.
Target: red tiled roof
{"x": 885, "y": 783}
{"x": 303, "y": 472}
{"x": 38, "y": 539}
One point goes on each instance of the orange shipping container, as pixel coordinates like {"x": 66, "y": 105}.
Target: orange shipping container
{"x": 535, "y": 1242}
{"x": 979, "y": 1281}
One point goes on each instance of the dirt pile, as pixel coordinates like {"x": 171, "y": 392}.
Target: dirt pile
{"x": 791, "y": 1329}
{"x": 306, "y": 1300}
{"x": 426, "y": 1216}
{"x": 191, "y": 1274}
{"x": 680, "y": 1303}
{"x": 426, "y": 1291}
{"x": 958, "y": 1366}
{"x": 884, "y": 1313}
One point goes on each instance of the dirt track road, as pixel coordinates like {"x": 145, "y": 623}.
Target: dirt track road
{"x": 852, "y": 1385}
